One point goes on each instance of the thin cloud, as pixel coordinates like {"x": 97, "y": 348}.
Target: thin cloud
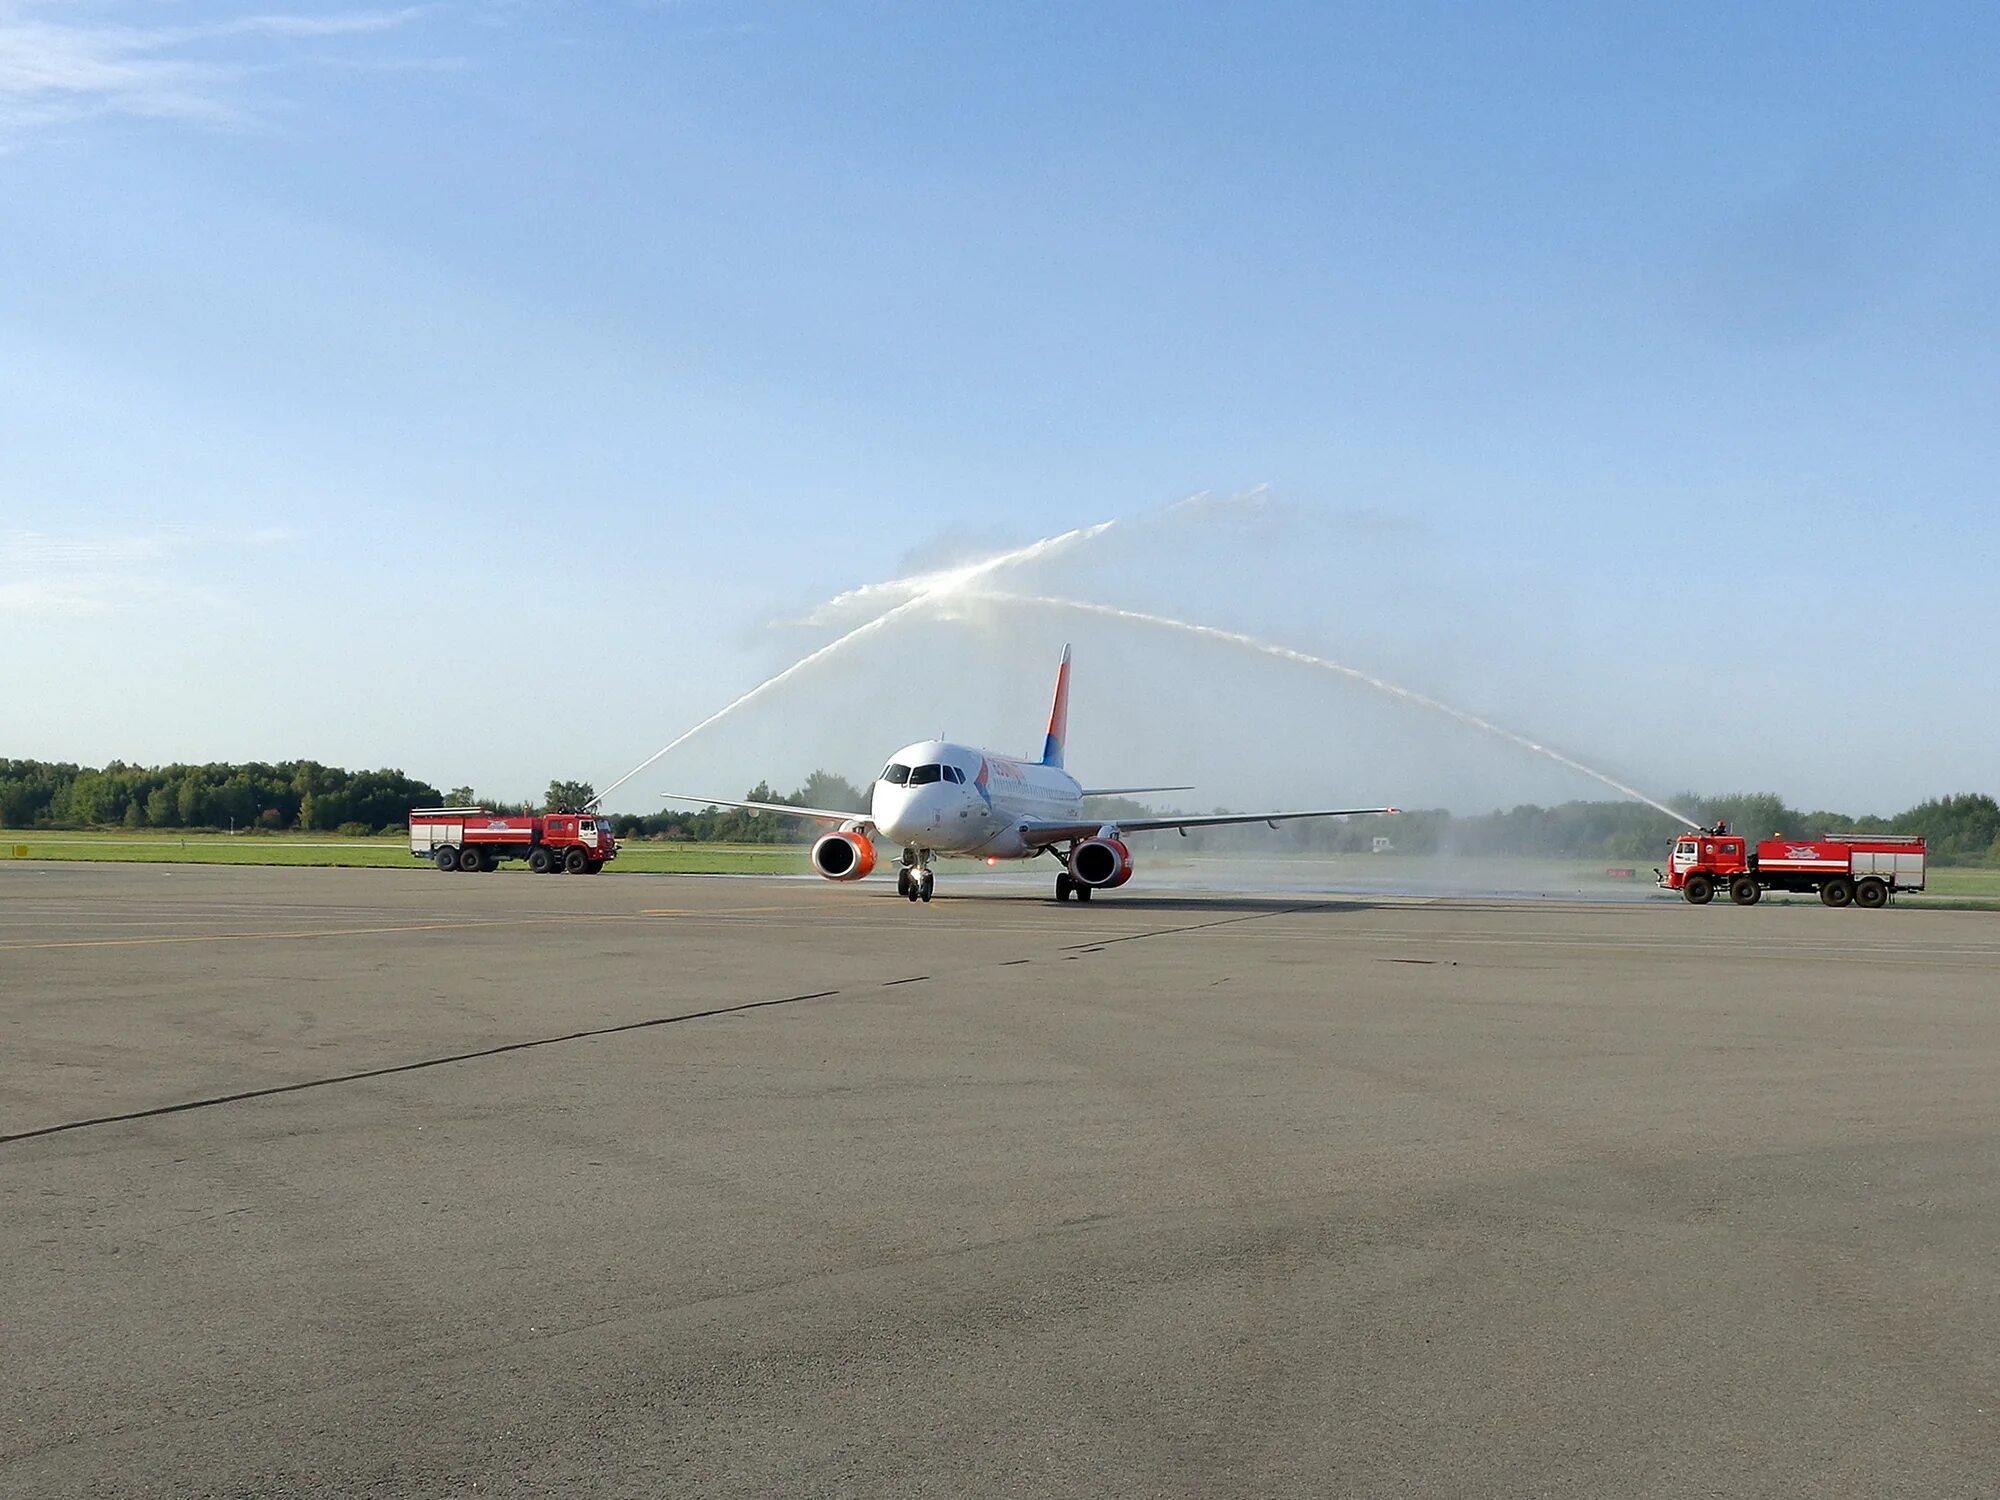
{"x": 93, "y": 573}
{"x": 353, "y": 23}
{"x": 57, "y": 70}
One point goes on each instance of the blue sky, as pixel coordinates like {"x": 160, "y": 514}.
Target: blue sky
{"x": 470, "y": 387}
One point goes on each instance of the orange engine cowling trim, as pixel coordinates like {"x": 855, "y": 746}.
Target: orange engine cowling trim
{"x": 843, "y": 856}
{"x": 1101, "y": 864}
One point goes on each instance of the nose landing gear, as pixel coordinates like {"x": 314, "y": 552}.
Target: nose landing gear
{"x": 915, "y": 881}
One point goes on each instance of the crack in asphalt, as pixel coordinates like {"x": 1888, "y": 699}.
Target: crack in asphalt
{"x": 304, "y": 1084}
{"x": 1096, "y": 945}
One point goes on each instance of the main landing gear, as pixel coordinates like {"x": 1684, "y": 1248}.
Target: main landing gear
{"x": 915, "y": 880}
{"x": 1068, "y": 885}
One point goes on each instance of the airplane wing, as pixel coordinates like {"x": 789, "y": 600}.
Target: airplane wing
{"x": 823, "y": 814}
{"x": 1045, "y": 831}
{"x": 1130, "y": 791}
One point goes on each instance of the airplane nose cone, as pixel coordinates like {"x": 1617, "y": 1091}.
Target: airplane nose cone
{"x": 911, "y": 817}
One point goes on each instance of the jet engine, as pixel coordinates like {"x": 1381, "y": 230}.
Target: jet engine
{"x": 843, "y": 855}
{"x": 1102, "y": 863}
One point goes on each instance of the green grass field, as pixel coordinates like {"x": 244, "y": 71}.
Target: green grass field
{"x": 1950, "y": 886}
{"x": 1967, "y": 883}
{"x": 385, "y": 853}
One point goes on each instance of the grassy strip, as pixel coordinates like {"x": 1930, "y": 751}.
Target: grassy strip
{"x": 324, "y": 850}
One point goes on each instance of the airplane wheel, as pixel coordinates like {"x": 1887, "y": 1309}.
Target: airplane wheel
{"x": 924, "y": 886}
{"x": 1082, "y": 891}
{"x": 1064, "y": 885}
{"x": 903, "y": 881}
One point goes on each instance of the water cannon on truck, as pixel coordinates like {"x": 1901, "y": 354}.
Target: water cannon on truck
{"x": 1859, "y": 869}
{"x": 473, "y": 839}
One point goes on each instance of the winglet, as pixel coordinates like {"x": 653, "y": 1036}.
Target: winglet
{"x": 1052, "y": 747}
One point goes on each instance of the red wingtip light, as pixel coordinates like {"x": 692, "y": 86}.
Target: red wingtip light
{"x": 992, "y": 859}
{"x": 1392, "y": 811}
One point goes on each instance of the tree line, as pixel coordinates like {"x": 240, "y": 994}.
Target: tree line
{"x": 306, "y": 795}
{"x": 289, "y": 794}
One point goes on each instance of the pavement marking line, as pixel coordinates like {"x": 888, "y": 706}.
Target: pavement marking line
{"x": 704, "y": 911}
{"x": 410, "y": 1067}
{"x": 1252, "y": 916}
{"x": 253, "y": 937}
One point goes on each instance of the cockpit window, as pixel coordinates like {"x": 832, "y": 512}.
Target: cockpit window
{"x": 925, "y": 775}
{"x": 952, "y": 773}
{"x": 896, "y": 773}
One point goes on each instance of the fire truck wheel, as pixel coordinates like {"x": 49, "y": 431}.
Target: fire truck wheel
{"x": 540, "y": 860}
{"x": 576, "y": 861}
{"x": 446, "y": 858}
{"x": 1837, "y": 892}
{"x": 1699, "y": 890}
{"x": 1872, "y": 894}
{"x": 1744, "y": 891}
{"x": 468, "y": 860}
{"x": 593, "y": 866}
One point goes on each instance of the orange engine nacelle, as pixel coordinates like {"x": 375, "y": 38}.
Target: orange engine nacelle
{"x": 843, "y": 856}
{"x": 1101, "y": 864}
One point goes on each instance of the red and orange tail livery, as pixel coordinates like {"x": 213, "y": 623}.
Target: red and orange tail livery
{"x": 1052, "y": 747}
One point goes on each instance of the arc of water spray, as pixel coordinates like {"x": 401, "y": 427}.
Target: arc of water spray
{"x": 1355, "y": 674}
{"x": 926, "y": 588}
{"x": 940, "y": 587}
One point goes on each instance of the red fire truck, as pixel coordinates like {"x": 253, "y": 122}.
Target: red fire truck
{"x": 471, "y": 838}
{"x": 1862, "y": 868}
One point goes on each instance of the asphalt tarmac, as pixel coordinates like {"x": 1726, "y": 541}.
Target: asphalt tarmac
{"x": 323, "y": 1182}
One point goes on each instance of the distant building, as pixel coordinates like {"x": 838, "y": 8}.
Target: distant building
{"x": 1382, "y": 845}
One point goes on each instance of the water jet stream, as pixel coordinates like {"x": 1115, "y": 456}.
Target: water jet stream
{"x": 923, "y": 589}
{"x": 1307, "y": 659}
{"x": 867, "y": 627}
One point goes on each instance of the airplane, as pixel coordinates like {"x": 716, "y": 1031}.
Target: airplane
{"x": 936, "y": 798}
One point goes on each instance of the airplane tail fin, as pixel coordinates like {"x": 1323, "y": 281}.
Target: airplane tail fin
{"x": 1052, "y": 747}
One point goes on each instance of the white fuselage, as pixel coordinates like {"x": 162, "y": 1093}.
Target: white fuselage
{"x": 953, "y": 799}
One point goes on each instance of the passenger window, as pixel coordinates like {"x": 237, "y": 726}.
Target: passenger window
{"x": 896, "y": 774}
{"x": 925, "y": 775}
